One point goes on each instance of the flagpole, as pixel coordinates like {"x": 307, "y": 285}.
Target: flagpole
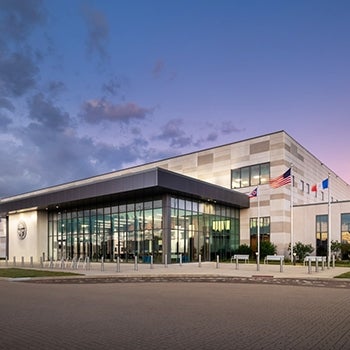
{"x": 258, "y": 233}
{"x": 291, "y": 216}
{"x": 329, "y": 224}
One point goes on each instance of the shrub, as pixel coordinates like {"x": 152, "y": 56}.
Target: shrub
{"x": 267, "y": 248}
{"x": 301, "y": 250}
{"x": 243, "y": 249}
{"x": 345, "y": 251}
{"x": 336, "y": 249}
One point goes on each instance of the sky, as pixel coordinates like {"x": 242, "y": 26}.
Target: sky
{"x": 89, "y": 87}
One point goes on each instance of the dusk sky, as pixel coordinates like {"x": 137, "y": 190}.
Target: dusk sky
{"x": 88, "y": 87}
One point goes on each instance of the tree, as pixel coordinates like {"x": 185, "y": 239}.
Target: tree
{"x": 301, "y": 250}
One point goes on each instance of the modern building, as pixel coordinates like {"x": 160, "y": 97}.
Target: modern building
{"x": 191, "y": 205}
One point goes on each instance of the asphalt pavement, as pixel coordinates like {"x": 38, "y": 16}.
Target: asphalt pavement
{"x": 192, "y": 306}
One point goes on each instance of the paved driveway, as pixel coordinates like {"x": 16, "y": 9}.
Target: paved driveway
{"x": 173, "y": 316}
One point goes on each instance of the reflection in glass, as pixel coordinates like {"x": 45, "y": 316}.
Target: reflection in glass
{"x": 129, "y": 230}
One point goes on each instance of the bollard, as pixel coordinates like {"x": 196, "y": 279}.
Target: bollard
{"x": 31, "y": 262}
{"x": 87, "y": 263}
{"x": 323, "y": 261}
{"x": 281, "y": 265}
{"x": 309, "y": 266}
{"x": 257, "y": 261}
{"x": 151, "y": 262}
{"x": 135, "y": 264}
{"x": 217, "y": 261}
{"x": 6, "y": 261}
{"x": 118, "y": 264}
{"x": 316, "y": 264}
{"x": 14, "y": 261}
{"x": 199, "y": 260}
{"x": 74, "y": 264}
{"x": 22, "y": 261}
{"x": 102, "y": 264}
{"x": 41, "y": 262}
{"x": 166, "y": 260}
{"x": 180, "y": 259}
{"x": 237, "y": 266}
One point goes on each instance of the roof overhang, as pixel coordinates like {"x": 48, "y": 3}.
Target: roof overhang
{"x": 131, "y": 186}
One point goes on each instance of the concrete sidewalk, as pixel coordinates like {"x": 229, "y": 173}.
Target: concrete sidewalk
{"x": 190, "y": 269}
{"x": 209, "y": 272}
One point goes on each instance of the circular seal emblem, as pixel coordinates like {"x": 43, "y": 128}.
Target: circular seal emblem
{"x": 22, "y": 230}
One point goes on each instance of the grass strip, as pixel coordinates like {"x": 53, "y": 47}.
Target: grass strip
{"x": 20, "y": 273}
{"x": 343, "y": 275}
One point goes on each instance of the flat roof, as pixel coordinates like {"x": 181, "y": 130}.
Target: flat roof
{"x": 126, "y": 187}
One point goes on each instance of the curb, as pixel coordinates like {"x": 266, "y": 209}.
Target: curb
{"x": 255, "y": 279}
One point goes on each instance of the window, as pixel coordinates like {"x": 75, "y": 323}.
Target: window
{"x": 264, "y": 231}
{"x": 253, "y": 175}
{"x": 321, "y": 234}
{"x": 245, "y": 177}
{"x": 307, "y": 188}
{"x": 302, "y": 185}
{"x": 264, "y": 226}
{"x": 345, "y": 228}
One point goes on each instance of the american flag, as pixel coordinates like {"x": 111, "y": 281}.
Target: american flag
{"x": 281, "y": 180}
{"x": 254, "y": 193}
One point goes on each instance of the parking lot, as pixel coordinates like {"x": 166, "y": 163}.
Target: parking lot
{"x": 172, "y": 315}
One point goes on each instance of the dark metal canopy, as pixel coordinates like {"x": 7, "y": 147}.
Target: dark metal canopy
{"x": 133, "y": 186}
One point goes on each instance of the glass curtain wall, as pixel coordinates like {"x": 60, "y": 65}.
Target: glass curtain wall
{"x": 124, "y": 230}
{"x": 130, "y": 230}
{"x": 200, "y": 228}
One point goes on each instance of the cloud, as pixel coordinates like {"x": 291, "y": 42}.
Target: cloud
{"x": 227, "y": 127}
{"x": 98, "y": 31}
{"x": 174, "y": 134}
{"x": 212, "y": 136}
{"x": 56, "y": 87}
{"x": 18, "y": 18}
{"x": 112, "y": 87}
{"x": 42, "y": 156}
{"x": 44, "y": 112}
{"x": 17, "y": 74}
{"x": 4, "y": 122}
{"x": 96, "y": 111}
{"x": 158, "y": 68}
{"x": 6, "y": 104}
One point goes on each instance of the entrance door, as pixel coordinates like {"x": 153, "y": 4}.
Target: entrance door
{"x": 220, "y": 246}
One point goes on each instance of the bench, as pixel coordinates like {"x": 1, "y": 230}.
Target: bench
{"x": 314, "y": 259}
{"x": 237, "y": 257}
{"x": 310, "y": 259}
{"x": 274, "y": 258}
